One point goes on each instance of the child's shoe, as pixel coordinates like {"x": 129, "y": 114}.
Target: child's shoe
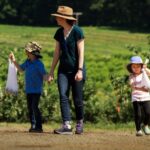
{"x": 65, "y": 129}
{"x": 36, "y": 130}
{"x": 139, "y": 133}
{"x": 79, "y": 127}
{"x": 146, "y": 130}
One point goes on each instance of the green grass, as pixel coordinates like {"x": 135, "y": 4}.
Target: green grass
{"x": 106, "y": 53}
{"x": 87, "y": 126}
{"x": 100, "y": 43}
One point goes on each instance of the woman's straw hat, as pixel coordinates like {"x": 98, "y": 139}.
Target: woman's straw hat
{"x": 64, "y": 12}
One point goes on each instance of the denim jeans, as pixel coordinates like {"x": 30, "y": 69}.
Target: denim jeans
{"x": 34, "y": 112}
{"x": 66, "y": 81}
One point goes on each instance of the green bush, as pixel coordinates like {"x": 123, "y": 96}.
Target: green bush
{"x": 106, "y": 85}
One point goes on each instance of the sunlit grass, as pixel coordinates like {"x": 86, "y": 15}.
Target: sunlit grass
{"x": 106, "y": 53}
{"x": 87, "y": 126}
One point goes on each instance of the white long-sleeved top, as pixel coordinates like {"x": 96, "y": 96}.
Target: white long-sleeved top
{"x": 138, "y": 95}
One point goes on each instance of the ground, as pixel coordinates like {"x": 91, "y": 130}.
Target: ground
{"x": 18, "y": 138}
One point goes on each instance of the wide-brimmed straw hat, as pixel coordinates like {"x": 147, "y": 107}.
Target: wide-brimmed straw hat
{"x": 34, "y": 48}
{"x": 64, "y": 12}
{"x": 134, "y": 60}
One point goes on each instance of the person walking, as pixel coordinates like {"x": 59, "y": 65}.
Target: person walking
{"x": 69, "y": 51}
{"x": 140, "y": 94}
{"x": 35, "y": 73}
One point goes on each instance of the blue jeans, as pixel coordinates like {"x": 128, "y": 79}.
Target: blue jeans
{"x": 65, "y": 82}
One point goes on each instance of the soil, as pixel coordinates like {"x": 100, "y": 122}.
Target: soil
{"x": 20, "y": 139}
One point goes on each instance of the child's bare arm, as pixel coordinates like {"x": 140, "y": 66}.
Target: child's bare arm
{"x": 12, "y": 58}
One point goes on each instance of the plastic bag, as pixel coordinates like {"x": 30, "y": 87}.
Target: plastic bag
{"x": 11, "y": 84}
{"x": 145, "y": 80}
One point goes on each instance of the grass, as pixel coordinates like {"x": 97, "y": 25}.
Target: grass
{"x": 100, "y": 42}
{"x": 87, "y": 126}
{"x": 106, "y": 53}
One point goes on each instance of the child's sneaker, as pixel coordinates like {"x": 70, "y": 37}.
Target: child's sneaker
{"x": 36, "y": 130}
{"x": 65, "y": 129}
{"x": 146, "y": 130}
{"x": 139, "y": 133}
{"x": 79, "y": 127}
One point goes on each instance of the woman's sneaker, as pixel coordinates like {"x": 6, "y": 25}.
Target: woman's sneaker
{"x": 79, "y": 127}
{"x": 146, "y": 130}
{"x": 139, "y": 133}
{"x": 65, "y": 129}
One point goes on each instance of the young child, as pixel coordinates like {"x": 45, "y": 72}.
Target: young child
{"x": 140, "y": 95}
{"x": 34, "y": 75}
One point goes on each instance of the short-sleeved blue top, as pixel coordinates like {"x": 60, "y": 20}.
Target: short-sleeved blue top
{"x": 69, "y": 51}
{"x": 34, "y": 71}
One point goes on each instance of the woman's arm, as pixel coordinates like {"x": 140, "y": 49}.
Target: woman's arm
{"x": 80, "y": 46}
{"x": 55, "y": 61}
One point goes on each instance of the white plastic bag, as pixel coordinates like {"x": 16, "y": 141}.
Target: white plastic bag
{"x": 11, "y": 84}
{"x": 145, "y": 80}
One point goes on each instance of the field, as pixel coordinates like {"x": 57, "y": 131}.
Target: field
{"x": 106, "y": 53}
{"x": 16, "y": 137}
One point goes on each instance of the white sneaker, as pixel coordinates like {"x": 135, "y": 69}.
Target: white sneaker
{"x": 146, "y": 130}
{"x": 139, "y": 133}
{"x": 65, "y": 129}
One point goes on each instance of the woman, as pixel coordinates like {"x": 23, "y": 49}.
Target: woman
{"x": 69, "y": 51}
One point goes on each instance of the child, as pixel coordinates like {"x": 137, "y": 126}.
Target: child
{"x": 140, "y": 95}
{"x": 34, "y": 75}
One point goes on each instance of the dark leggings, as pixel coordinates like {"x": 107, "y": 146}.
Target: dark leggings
{"x": 141, "y": 113}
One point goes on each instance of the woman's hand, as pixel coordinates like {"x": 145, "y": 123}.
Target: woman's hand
{"x": 79, "y": 75}
{"x": 12, "y": 57}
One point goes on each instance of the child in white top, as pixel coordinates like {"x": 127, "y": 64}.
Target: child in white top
{"x": 140, "y": 95}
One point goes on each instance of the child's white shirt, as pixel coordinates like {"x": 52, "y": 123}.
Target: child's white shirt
{"x": 138, "y": 95}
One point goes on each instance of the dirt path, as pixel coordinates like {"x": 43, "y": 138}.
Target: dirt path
{"x": 20, "y": 139}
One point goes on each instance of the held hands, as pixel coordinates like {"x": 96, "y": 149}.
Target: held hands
{"x": 12, "y": 57}
{"x": 79, "y": 75}
{"x": 50, "y": 77}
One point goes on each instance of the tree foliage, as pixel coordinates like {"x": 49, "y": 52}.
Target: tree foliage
{"x": 124, "y": 13}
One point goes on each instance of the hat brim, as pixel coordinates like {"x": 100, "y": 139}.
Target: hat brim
{"x": 29, "y": 50}
{"x": 65, "y": 17}
{"x": 38, "y": 55}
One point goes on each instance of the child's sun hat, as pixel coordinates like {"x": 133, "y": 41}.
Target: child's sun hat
{"x": 34, "y": 48}
{"x": 134, "y": 60}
